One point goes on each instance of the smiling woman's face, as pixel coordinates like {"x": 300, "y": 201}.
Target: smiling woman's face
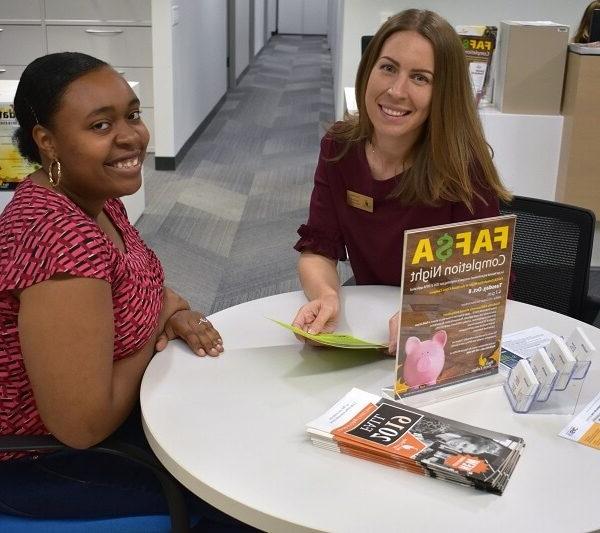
{"x": 400, "y": 87}
{"x": 99, "y": 137}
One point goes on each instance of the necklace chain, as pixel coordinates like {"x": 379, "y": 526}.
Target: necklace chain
{"x": 397, "y": 168}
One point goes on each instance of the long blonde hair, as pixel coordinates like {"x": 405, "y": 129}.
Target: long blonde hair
{"x": 451, "y": 147}
{"x": 583, "y": 32}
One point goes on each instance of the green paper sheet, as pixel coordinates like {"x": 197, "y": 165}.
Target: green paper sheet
{"x": 335, "y": 340}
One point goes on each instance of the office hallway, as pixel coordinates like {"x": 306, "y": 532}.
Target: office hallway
{"x": 224, "y": 223}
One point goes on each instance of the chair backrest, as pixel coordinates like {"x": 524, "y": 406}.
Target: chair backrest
{"x": 178, "y": 518}
{"x": 364, "y": 42}
{"x": 551, "y": 254}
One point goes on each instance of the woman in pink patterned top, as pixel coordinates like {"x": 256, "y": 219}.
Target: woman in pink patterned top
{"x": 83, "y": 307}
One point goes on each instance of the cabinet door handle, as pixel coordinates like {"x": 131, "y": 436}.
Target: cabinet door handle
{"x": 108, "y": 32}
{"x": 1, "y": 29}
{"x": 2, "y": 70}
{"x": 121, "y": 72}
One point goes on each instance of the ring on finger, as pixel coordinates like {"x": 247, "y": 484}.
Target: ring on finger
{"x": 202, "y": 321}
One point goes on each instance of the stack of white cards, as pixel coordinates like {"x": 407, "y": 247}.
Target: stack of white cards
{"x": 583, "y": 350}
{"x": 549, "y": 368}
{"x": 387, "y": 432}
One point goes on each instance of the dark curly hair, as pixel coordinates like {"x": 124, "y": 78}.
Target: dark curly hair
{"x": 40, "y": 89}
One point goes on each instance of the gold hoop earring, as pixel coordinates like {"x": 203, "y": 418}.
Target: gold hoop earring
{"x": 54, "y": 181}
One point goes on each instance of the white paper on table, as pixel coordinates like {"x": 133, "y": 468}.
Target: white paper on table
{"x": 585, "y": 427}
{"x": 526, "y": 342}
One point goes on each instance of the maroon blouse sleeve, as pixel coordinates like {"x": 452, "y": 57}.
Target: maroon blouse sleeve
{"x": 321, "y": 234}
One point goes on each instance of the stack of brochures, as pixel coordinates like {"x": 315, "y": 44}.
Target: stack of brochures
{"x": 385, "y": 431}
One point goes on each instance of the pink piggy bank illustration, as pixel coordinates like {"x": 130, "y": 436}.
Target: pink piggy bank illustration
{"x": 424, "y": 360}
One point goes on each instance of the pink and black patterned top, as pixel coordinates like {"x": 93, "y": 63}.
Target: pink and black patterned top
{"x": 43, "y": 233}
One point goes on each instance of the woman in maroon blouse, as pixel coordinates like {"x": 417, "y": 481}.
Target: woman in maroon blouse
{"x": 413, "y": 156}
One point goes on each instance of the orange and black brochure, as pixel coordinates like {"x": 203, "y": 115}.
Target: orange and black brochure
{"x": 455, "y": 280}
{"x": 406, "y": 438}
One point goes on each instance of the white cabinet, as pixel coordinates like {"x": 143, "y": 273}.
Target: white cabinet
{"x": 129, "y": 46}
{"x": 121, "y": 11}
{"x": 116, "y": 31}
{"x": 8, "y": 72}
{"x": 21, "y": 44}
{"x": 21, "y": 10}
{"x": 144, "y": 76}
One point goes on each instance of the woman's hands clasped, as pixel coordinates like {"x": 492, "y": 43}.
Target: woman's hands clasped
{"x": 176, "y": 319}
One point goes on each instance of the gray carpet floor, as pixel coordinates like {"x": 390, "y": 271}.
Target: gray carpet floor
{"x": 224, "y": 223}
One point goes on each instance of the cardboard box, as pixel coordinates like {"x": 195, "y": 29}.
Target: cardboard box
{"x": 531, "y": 67}
{"x": 578, "y": 167}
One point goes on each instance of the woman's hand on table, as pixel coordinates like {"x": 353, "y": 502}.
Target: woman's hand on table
{"x": 195, "y": 329}
{"x": 176, "y": 319}
{"x": 318, "y": 316}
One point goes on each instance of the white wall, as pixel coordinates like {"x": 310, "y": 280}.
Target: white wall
{"x": 363, "y": 18}
{"x": 242, "y": 36}
{"x": 190, "y": 73}
{"x": 307, "y": 17}
{"x": 314, "y": 17}
{"x": 199, "y": 63}
{"x": 272, "y": 16}
{"x": 162, "y": 63}
{"x": 290, "y": 16}
{"x": 335, "y": 14}
{"x": 259, "y": 25}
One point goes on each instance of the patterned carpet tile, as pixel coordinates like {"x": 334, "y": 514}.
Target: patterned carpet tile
{"x": 230, "y": 104}
{"x": 239, "y": 287}
{"x": 200, "y": 229}
{"x": 214, "y": 200}
{"x": 263, "y": 81}
{"x": 307, "y": 73}
{"x": 283, "y": 177}
{"x": 300, "y": 96}
{"x": 266, "y": 241}
{"x": 313, "y": 85}
{"x": 282, "y": 161}
{"x": 226, "y": 175}
{"x": 224, "y": 223}
{"x": 216, "y": 125}
{"x": 223, "y": 300}
{"x": 278, "y": 201}
{"x": 296, "y": 143}
{"x": 234, "y": 135}
{"x": 287, "y": 130}
{"x": 288, "y": 49}
{"x": 192, "y": 272}
{"x": 286, "y": 120}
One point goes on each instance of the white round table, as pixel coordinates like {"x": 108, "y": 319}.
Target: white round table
{"x": 231, "y": 429}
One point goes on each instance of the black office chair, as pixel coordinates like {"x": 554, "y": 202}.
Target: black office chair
{"x": 364, "y": 42}
{"x": 552, "y": 251}
{"x": 179, "y": 518}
